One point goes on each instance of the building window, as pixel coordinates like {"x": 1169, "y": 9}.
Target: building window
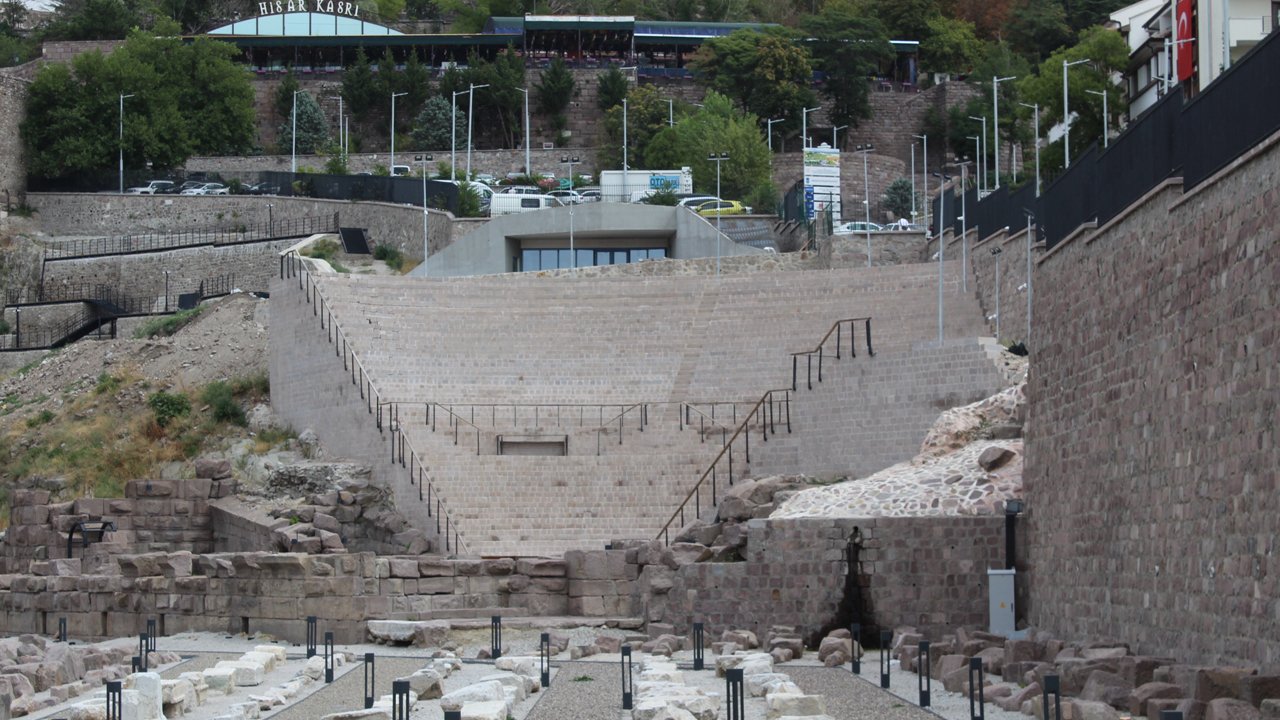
{"x": 552, "y": 259}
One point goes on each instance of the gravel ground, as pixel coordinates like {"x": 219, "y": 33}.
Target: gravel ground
{"x": 599, "y": 698}
{"x": 953, "y": 706}
{"x": 852, "y": 698}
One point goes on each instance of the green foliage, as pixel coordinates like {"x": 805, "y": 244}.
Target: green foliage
{"x": 555, "y": 89}
{"x": 283, "y": 100}
{"x": 897, "y": 198}
{"x": 222, "y": 402}
{"x": 324, "y": 249}
{"x": 256, "y": 386}
{"x": 665, "y": 197}
{"x": 584, "y": 678}
{"x": 17, "y": 50}
{"x": 1038, "y": 28}
{"x": 336, "y": 162}
{"x": 359, "y": 91}
{"x": 23, "y": 210}
{"x": 391, "y": 256}
{"x": 953, "y": 46}
{"x": 762, "y": 199}
{"x": 468, "y": 201}
{"x": 187, "y": 99}
{"x": 646, "y": 118}
{"x": 168, "y": 406}
{"x": 431, "y": 127}
{"x": 44, "y": 417}
{"x": 4, "y": 327}
{"x": 612, "y": 88}
{"x": 313, "y": 129}
{"x": 415, "y": 80}
{"x": 93, "y": 20}
{"x": 167, "y": 325}
{"x": 766, "y": 72}
{"x": 501, "y": 104}
{"x": 107, "y": 384}
{"x": 848, "y": 47}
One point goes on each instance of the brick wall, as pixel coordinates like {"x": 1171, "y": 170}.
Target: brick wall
{"x": 495, "y": 162}
{"x": 13, "y": 108}
{"x": 1151, "y": 437}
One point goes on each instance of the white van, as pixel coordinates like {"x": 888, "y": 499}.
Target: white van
{"x": 504, "y": 204}
{"x": 400, "y": 170}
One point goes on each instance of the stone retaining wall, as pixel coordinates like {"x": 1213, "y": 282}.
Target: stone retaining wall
{"x": 13, "y": 108}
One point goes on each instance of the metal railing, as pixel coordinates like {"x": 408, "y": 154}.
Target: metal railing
{"x": 225, "y": 234}
{"x": 820, "y": 351}
{"x": 56, "y": 335}
{"x": 292, "y": 266}
{"x": 558, "y": 415}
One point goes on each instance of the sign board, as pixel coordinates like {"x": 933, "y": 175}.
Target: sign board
{"x": 822, "y": 181}
{"x": 566, "y": 184}
{"x": 664, "y": 182}
{"x": 330, "y": 7}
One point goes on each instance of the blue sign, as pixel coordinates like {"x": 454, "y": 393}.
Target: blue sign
{"x": 664, "y": 182}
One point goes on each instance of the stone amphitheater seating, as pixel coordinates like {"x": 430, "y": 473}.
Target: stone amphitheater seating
{"x": 471, "y": 342}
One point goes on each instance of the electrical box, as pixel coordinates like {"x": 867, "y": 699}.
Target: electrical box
{"x": 1000, "y": 608}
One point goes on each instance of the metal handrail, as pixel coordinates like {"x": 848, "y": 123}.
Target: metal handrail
{"x": 836, "y": 328}
{"x": 293, "y": 265}
{"x": 196, "y": 237}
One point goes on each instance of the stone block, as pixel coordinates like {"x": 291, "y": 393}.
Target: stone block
{"x": 427, "y": 683}
{"x": 1190, "y": 709}
{"x": 1143, "y": 693}
{"x": 475, "y": 693}
{"x": 1088, "y": 710}
{"x": 1231, "y": 709}
{"x": 1219, "y": 682}
{"x": 781, "y": 705}
{"x": 244, "y": 674}
{"x": 1256, "y": 688}
{"x": 266, "y": 659}
{"x": 493, "y": 710}
{"x": 1107, "y": 687}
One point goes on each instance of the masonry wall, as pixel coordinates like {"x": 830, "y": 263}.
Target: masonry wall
{"x": 1152, "y": 446}
{"x": 13, "y": 108}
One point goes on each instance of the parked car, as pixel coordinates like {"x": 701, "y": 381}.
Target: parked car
{"x": 521, "y": 190}
{"x": 567, "y": 196}
{"x": 693, "y": 201}
{"x": 208, "y": 189}
{"x": 904, "y": 227}
{"x": 400, "y": 170}
{"x": 262, "y": 189}
{"x": 508, "y": 204}
{"x": 589, "y": 194}
{"x": 155, "y": 187}
{"x": 486, "y": 178}
{"x": 722, "y": 207}
{"x": 188, "y": 185}
{"x": 856, "y": 227}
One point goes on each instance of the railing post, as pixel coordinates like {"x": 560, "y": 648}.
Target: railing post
{"x": 62, "y": 629}
{"x": 311, "y": 636}
{"x": 151, "y": 634}
{"x": 856, "y": 632}
{"x": 544, "y": 658}
{"x": 698, "y": 650}
{"x": 628, "y": 686}
{"x": 328, "y": 656}
{"x": 869, "y": 350}
{"x": 886, "y": 640}
{"x": 400, "y": 700}
{"x": 495, "y": 635}
{"x": 809, "y": 369}
{"x": 143, "y": 645}
{"x": 923, "y": 669}
{"x": 369, "y": 678}
{"x": 838, "y": 328}
{"x": 733, "y": 683}
{"x": 115, "y": 699}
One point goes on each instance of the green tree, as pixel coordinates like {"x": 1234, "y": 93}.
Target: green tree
{"x": 416, "y": 80}
{"x": 283, "y": 101}
{"x": 715, "y": 128}
{"x": 431, "y": 126}
{"x": 1038, "y": 28}
{"x": 952, "y": 47}
{"x": 646, "y": 118}
{"x": 766, "y": 72}
{"x": 613, "y": 87}
{"x": 897, "y": 198}
{"x": 904, "y": 19}
{"x": 556, "y": 88}
{"x": 848, "y": 48}
{"x": 501, "y": 103}
{"x": 359, "y": 91}
{"x": 92, "y": 20}
{"x": 313, "y": 129}
{"x": 16, "y": 50}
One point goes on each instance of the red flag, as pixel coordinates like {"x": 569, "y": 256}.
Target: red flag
{"x": 1185, "y": 36}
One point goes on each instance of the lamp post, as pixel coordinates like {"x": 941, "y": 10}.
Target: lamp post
{"x": 942, "y": 243}
{"x": 573, "y": 256}
{"x": 528, "y": 167}
{"x": 769, "y": 131}
{"x": 995, "y": 253}
{"x": 977, "y": 152}
{"x": 865, "y": 150}
{"x": 982, "y": 155}
{"x": 293, "y": 133}
{"x": 426, "y": 234}
{"x": 1035, "y": 110}
{"x": 471, "y": 97}
{"x": 1066, "y": 114}
{"x": 964, "y": 226}
{"x": 394, "y": 95}
{"x": 995, "y": 130}
{"x": 671, "y": 112}
{"x": 453, "y": 137}
{"x": 625, "y": 196}
{"x": 925, "y": 138}
{"x": 122, "y": 97}
{"x": 835, "y": 130}
{"x": 1030, "y": 216}
{"x": 1105, "y": 117}
{"x": 804, "y": 126}
{"x": 913, "y": 182}
{"x": 342, "y": 138}
{"x": 718, "y": 158}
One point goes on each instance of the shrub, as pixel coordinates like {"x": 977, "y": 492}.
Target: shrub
{"x": 221, "y": 400}
{"x": 43, "y": 418}
{"x": 391, "y": 256}
{"x": 167, "y": 325}
{"x": 168, "y": 406}
{"x": 4, "y": 327}
{"x": 326, "y": 249}
{"x": 257, "y": 385}
{"x": 107, "y": 384}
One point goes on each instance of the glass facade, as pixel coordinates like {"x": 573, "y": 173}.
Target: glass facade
{"x": 554, "y": 259}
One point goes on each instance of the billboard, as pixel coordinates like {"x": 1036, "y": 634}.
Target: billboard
{"x": 822, "y": 181}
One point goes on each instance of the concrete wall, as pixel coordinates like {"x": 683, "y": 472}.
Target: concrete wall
{"x": 1151, "y": 437}
{"x": 13, "y": 108}
{"x": 495, "y": 162}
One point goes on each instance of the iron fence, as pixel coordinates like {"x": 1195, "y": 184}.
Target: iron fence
{"x": 225, "y": 234}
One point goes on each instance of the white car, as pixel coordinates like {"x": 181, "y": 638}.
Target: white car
{"x": 208, "y": 189}
{"x": 693, "y": 202}
{"x": 520, "y": 190}
{"x": 567, "y": 196}
{"x": 855, "y": 227}
{"x": 589, "y": 194}
{"x": 155, "y": 187}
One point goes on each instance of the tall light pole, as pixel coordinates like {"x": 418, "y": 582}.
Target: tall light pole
{"x": 293, "y": 133}
{"x": 717, "y": 158}
{"x": 573, "y": 256}
{"x": 471, "y": 97}
{"x": 453, "y": 138}
{"x": 913, "y": 181}
{"x": 122, "y": 97}
{"x": 804, "y": 126}
{"x": 1030, "y": 216}
{"x": 1066, "y": 114}
{"x": 835, "y": 130}
{"x": 982, "y": 154}
{"x": 528, "y": 168}
{"x": 671, "y": 112}
{"x": 769, "y": 131}
{"x": 1105, "y": 117}
{"x": 925, "y": 138}
{"x": 995, "y": 253}
{"x": 394, "y": 95}
{"x": 342, "y": 138}
{"x": 426, "y": 233}
{"x": 1035, "y": 110}
{"x": 942, "y": 243}
{"x": 964, "y": 226}
{"x": 977, "y": 152}
{"x": 865, "y": 150}
{"x": 625, "y": 196}
{"x": 995, "y": 99}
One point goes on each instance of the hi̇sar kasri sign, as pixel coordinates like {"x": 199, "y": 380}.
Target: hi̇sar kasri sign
{"x": 275, "y": 7}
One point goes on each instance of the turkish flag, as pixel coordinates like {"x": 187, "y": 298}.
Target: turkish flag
{"x": 1185, "y": 36}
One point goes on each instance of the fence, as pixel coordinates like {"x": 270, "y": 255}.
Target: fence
{"x": 228, "y": 234}
{"x": 1197, "y": 139}
{"x": 57, "y": 335}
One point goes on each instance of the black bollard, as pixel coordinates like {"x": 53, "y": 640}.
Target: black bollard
{"x": 495, "y": 636}
{"x": 115, "y": 699}
{"x": 856, "y": 631}
{"x": 151, "y": 634}
{"x": 400, "y": 700}
{"x": 886, "y": 640}
{"x": 733, "y": 691}
{"x": 923, "y": 670}
{"x": 978, "y": 709}
{"x": 135, "y": 664}
{"x": 544, "y": 658}
{"x": 452, "y": 715}
{"x": 628, "y": 686}
{"x": 62, "y": 629}
{"x": 1052, "y": 686}
{"x": 1170, "y": 715}
{"x": 328, "y": 656}
{"x": 143, "y": 644}
{"x": 369, "y": 676}
{"x": 311, "y": 636}
{"x": 698, "y": 657}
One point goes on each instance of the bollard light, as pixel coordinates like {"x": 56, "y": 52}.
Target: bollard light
{"x": 143, "y": 644}
{"x": 886, "y": 639}
{"x": 544, "y": 658}
{"x": 62, "y": 629}
{"x": 328, "y": 656}
{"x": 698, "y": 657}
{"x": 495, "y": 636}
{"x": 1170, "y": 715}
{"x": 151, "y": 634}
{"x": 923, "y": 671}
{"x": 628, "y": 686}
{"x": 311, "y": 636}
{"x": 1052, "y": 686}
{"x": 452, "y": 715}
{"x": 977, "y": 703}
{"x": 733, "y": 694}
{"x": 115, "y": 699}
{"x": 400, "y": 700}
{"x": 135, "y": 664}
{"x": 856, "y": 631}
{"x": 368, "y": 680}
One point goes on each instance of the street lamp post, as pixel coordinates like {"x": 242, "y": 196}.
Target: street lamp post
{"x": 835, "y": 130}
{"x": 804, "y": 126}
{"x": 982, "y": 155}
{"x": 394, "y": 95}
{"x": 122, "y": 97}
{"x": 625, "y": 196}
{"x": 293, "y": 133}
{"x": 913, "y": 182}
{"x": 769, "y": 131}
{"x": 453, "y": 137}
{"x": 995, "y": 131}
{"x": 426, "y": 233}
{"x": 1066, "y": 114}
{"x": 1035, "y": 119}
{"x": 925, "y": 138}
{"x": 977, "y": 152}
{"x": 964, "y": 226}
{"x": 573, "y": 256}
{"x": 865, "y": 150}
{"x": 471, "y": 96}
{"x": 718, "y": 158}
{"x": 528, "y": 168}
{"x": 671, "y": 112}
{"x": 1030, "y": 216}
{"x": 942, "y": 243}
{"x": 1105, "y": 117}
{"x": 342, "y": 138}
{"x": 995, "y": 253}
